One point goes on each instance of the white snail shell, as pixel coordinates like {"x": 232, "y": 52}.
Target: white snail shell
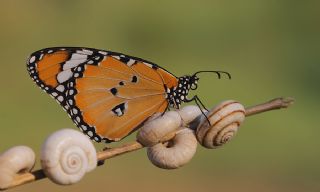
{"x": 225, "y": 120}
{"x": 155, "y": 129}
{"x": 15, "y": 161}
{"x": 176, "y": 153}
{"x": 67, "y": 155}
{"x": 189, "y": 113}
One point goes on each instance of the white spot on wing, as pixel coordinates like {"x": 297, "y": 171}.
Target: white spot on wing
{"x": 148, "y": 64}
{"x": 71, "y": 92}
{"x": 60, "y": 98}
{"x": 40, "y": 56}
{"x": 90, "y": 133}
{"x": 32, "y": 59}
{"x": 60, "y": 88}
{"x": 103, "y": 52}
{"x": 116, "y": 57}
{"x": 85, "y": 51}
{"x": 131, "y": 62}
{"x": 75, "y": 60}
{"x": 64, "y": 76}
{"x": 75, "y": 111}
{"x": 118, "y": 111}
{"x": 84, "y": 127}
{"x": 76, "y": 56}
{"x": 54, "y": 94}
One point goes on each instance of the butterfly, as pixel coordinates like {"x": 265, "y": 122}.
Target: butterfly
{"x": 108, "y": 95}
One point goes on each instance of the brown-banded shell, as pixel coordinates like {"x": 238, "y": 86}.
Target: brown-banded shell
{"x": 225, "y": 120}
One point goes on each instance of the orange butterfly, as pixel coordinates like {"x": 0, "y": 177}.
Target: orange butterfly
{"x": 108, "y": 94}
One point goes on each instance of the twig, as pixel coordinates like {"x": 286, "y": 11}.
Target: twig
{"x": 24, "y": 178}
{"x": 113, "y": 152}
{"x": 278, "y": 103}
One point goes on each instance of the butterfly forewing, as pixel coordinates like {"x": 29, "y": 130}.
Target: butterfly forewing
{"x": 107, "y": 94}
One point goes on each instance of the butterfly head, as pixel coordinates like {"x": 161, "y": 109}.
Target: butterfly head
{"x": 177, "y": 95}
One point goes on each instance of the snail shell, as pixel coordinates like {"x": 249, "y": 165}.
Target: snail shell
{"x": 225, "y": 120}
{"x": 175, "y": 153}
{"x": 67, "y": 155}
{"x": 189, "y": 113}
{"x": 155, "y": 129}
{"x": 13, "y": 162}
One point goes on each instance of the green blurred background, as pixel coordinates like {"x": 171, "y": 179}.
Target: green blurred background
{"x": 271, "y": 48}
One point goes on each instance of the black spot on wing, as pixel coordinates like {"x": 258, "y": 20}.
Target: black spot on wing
{"x": 134, "y": 79}
{"x": 114, "y": 91}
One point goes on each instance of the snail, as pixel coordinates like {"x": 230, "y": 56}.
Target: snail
{"x": 170, "y": 145}
{"x": 67, "y": 155}
{"x": 158, "y": 127}
{"x": 14, "y": 162}
{"x": 225, "y": 120}
{"x": 189, "y": 114}
{"x": 174, "y": 153}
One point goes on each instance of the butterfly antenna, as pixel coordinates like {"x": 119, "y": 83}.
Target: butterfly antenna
{"x": 216, "y": 72}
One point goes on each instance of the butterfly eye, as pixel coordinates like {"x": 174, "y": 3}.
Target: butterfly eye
{"x": 194, "y": 86}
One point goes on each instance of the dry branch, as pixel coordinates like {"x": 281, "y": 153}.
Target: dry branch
{"x": 24, "y": 178}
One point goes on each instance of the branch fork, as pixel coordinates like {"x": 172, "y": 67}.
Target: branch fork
{"x": 171, "y": 141}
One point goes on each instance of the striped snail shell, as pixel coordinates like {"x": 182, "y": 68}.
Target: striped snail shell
{"x": 225, "y": 120}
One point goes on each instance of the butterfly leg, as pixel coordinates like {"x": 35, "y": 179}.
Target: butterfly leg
{"x": 199, "y": 104}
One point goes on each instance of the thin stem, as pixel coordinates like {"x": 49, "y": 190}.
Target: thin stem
{"x": 24, "y": 178}
{"x": 116, "y": 151}
{"x": 277, "y": 103}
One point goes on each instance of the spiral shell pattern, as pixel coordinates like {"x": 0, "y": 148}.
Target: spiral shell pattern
{"x": 225, "y": 120}
{"x": 67, "y": 155}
